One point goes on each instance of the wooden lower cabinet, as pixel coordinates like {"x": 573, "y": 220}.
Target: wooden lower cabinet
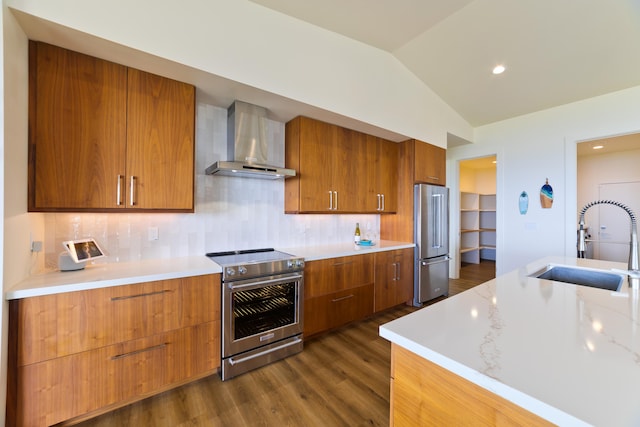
{"x": 393, "y": 278}
{"x": 425, "y": 394}
{"x": 344, "y": 289}
{"x": 337, "y": 309}
{"x": 331, "y": 275}
{"x": 81, "y": 352}
{"x": 63, "y": 388}
{"x": 337, "y": 291}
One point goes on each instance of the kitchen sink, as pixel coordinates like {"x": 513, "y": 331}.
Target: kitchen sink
{"x": 581, "y": 276}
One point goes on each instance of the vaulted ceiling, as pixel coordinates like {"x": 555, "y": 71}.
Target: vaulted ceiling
{"x": 555, "y": 52}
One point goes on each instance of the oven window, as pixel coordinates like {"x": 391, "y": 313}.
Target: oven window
{"x": 263, "y": 309}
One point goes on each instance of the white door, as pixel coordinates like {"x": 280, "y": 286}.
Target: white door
{"x": 613, "y": 230}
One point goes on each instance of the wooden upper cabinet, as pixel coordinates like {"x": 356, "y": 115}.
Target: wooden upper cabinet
{"x": 337, "y": 169}
{"x": 102, "y": 136}
{"x": 350, "y": 171}
{"x": 310, "y": 149}
{"x": 160, "y": 142}
{"x": 430, "y": 164}
{"x": 77, "y": 120}
{"x": 387, "y": 175}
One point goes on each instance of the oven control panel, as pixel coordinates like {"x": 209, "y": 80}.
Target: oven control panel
{"x": 295, "y": 263}
{"x": 260, "y": 269}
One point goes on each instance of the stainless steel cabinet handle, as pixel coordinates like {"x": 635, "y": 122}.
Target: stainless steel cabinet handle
{"x": 132, "y": 186}
{"x": 378, "y": 208}
{"x": 119, "y": 191}
{"x": 435, "y": 178}
{"x": 395, "y": 271}
{"x": 337, "y": 264}
{"x": 131, "y": 353}
{"x": 148, "y": 294}
{"x": 330, "y": 200}
{"x": 343, "y": 298}
{"x": 335, "y": 208}
{"x": 383, "y": 207}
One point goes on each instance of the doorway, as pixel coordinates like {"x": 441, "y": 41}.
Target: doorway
{"x": 477, "y": 247}
{"x": 607, "y": 170}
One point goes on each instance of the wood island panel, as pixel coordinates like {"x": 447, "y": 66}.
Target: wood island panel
{"x": 425, "y": 394}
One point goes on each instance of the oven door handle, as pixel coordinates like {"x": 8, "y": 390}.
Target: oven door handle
{"x": 261, "y": 283}
{"x": 233, "y": 361}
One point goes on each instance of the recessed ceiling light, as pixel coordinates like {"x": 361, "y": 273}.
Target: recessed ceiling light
{"x": 499, "y": 69}
{"x": 597, "y": 147}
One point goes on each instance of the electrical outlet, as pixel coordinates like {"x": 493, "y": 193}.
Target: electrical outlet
{"x": 153, "y": 233}
{"x": 36, "y": 246}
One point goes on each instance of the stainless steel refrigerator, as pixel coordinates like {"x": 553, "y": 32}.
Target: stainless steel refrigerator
{"x": 431, "y": 235}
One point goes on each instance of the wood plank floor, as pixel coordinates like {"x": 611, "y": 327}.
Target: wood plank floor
{"x": 340, "y": 379}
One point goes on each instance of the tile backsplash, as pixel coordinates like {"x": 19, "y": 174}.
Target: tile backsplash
{"x": 230, "y": 213}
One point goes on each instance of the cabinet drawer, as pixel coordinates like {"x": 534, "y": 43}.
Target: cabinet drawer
{"x": 336, "y": 309}
{"x": 63, "y": 388}
{"x": 335, "y": 274}
{"x": 58, "y": 325}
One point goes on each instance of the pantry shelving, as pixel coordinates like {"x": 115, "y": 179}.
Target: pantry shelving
{"x": 477, "y": 227}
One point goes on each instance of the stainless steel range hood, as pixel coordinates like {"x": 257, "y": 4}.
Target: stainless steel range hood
{"x": 247, "y": 145}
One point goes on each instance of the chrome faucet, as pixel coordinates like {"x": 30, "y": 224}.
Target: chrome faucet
{"x": 632, "y": 271}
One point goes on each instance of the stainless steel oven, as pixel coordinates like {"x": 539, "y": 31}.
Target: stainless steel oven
{"x": 262, "y": 310}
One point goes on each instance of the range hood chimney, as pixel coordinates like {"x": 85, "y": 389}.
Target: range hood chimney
{"x": 247, "y": 145}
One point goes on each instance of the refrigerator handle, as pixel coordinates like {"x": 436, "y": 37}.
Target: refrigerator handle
{"x": 445, "y": 259}
{"x": 437, "y": 220}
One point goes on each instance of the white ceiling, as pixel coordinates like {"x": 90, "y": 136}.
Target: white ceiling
{"x": 555, "y": 52}
{"x": 629, "y": 142}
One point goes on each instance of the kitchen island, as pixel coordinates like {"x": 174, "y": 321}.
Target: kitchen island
{"x": 520, "y": 349}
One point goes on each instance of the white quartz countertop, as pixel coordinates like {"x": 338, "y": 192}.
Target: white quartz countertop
{"x": 570, "y": 354}
{"x": 112, "y": 274}
{"x": 314, "y": 253}
{"x": 122, "y": 273}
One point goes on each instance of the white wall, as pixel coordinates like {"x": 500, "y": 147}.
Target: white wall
{"x": 14, "y": 253}
{"x": 608, "y": 168}
{"x": 253, "y": 45}
{"x": 593, "y": 170}
{"x": 532, "y": 148}
{"x": 481, "y": 180}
